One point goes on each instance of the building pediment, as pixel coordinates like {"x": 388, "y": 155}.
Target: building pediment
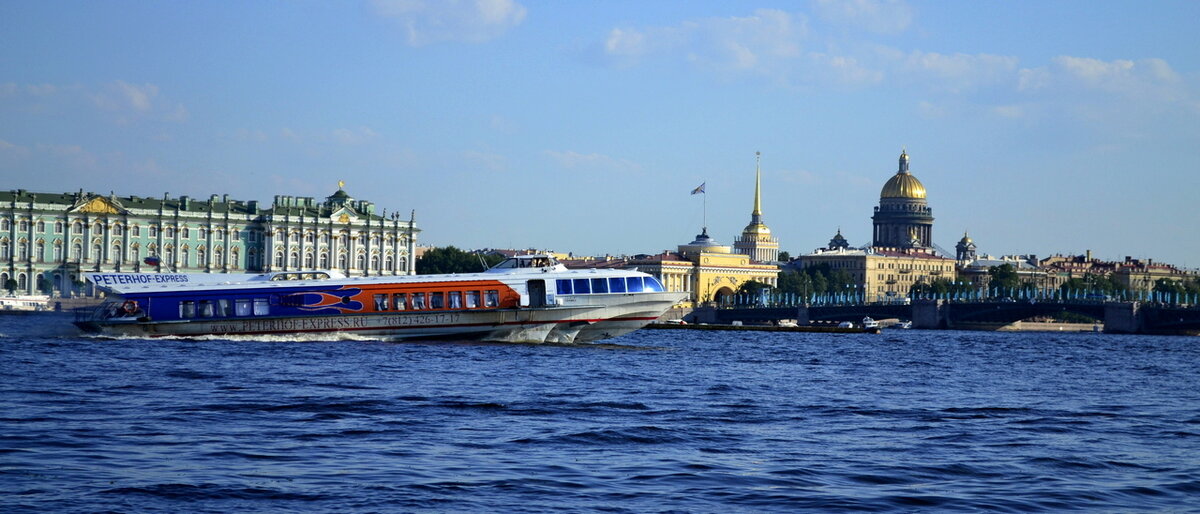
{"x": 344, "y": 214}
{"x": 97, "y": 205}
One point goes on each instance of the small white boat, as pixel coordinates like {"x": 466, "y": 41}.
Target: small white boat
{"x": 869, "y": 322}
{"x": 846, "y": 324}
{"x": 25, "y": 303}
{"x": 903, "y": 324}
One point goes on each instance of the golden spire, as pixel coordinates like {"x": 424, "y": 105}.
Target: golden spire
{"x": 341, "y": 184}
{"x": 757, "y": 185}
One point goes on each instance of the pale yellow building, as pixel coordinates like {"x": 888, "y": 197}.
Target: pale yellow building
{"x": 883, "y": 273}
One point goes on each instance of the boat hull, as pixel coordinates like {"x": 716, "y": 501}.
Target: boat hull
{"x": 582, "y": 322}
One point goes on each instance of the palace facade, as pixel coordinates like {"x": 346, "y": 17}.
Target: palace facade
{"x": 48, "y": 239}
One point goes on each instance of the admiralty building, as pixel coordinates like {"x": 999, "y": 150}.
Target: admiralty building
{"x": 47, "y": 239}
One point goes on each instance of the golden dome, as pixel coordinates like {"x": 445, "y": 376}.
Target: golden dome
{"x": 903, "y": 185}
{"x": 756, "y": 229}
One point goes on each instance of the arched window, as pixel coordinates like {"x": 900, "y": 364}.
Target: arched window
{"x": 77, "y": 228}
{"x": 5, "y": 224}
{"x": 115, "y": 255}
{"x": 136, "y": 231}
{"x": 23, "y": 226}
{"x": 41, "y": 226}
{"x": 361, "y": 261}
{"x": 117, "y": 230}
{"x": 387, "y": 263}
{"x": 22, "y": 250}
{"x": 97, "y": 252}
{"x": 98, "y": 229}
{"x": 279, "y": 259}
{"x": 58, "y": 227}
{"x": 186, "y": 232}
{"x": 185, "y": 257}
{"x": 76, "y": 251}
{"x": 375, "y": 262}
{"x": 201, "y": 258}
{"x": 170, "y": 256}
{"x": 22, "y": 282}
{"x": 233, "y": 258}
{"x": 40, "y": 251}
{"x": 342, "y": 263}
{"x": 294, "y": 260}
{"x": 217, "y": 257}
{"x": 308, "y": 260}
{"x": 324, "y": 260}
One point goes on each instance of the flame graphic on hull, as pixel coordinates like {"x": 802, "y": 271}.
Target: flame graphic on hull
{"x": 341, "y": 301}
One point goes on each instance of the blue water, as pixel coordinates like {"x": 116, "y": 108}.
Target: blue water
{"x": 657, "y": 421}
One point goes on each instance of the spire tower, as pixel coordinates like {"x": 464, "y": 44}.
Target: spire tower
{"x": 756, "y": 240}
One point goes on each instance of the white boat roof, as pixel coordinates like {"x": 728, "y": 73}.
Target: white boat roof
{"x": 515, "y": 269}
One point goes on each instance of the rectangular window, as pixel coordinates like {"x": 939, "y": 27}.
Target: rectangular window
{"x": 599, "y": 285}
{"x": 187, "y": 309}
{"x": 381, "y": 302}
{"x": 398, "y": 301}
{"x": 582, "y": 286}
{"x": 206, "y": 309}
{"x": 437, "y": 301}
{"x": 633, "y": 284}
{"x": 224, "y": 309}
{"x": 564, "y": 287}
{"x": 418, "y": 301}
{"x": 455, "y": 299}
{"x": 616, "y": 285}
{"x": 242, "y": 307}
{"x": 472, "y": 299}
{"x": 491, "y": 298}
{"x": 261, "y": 307}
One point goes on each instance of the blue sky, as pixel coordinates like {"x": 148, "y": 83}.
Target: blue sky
{"x": 1039, "y": 127}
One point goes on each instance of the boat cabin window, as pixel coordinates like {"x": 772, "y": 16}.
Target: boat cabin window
{"x": 491, "y": 298}
{"x": 300, "y": 276}
{"x": 616, "y": 285}
{"x": 472, "y": 298}
{"x": 527, "y": 261}
{"x": 261, "y": 307}
{"x": 455, "y": 299}
{"x": 564, "y": 287}
{"x": 582, "y": 286}
{"x": 653, "y": 285}
{"x": 206, "y": 309}
{"x": 398, "y": 301}
{"x": 599, "y": 285}
{"x": 187, "y": 309}
{"x": 436, "y": 301}
{"x": 418, "y": 301}
{"x": 242, "y": 306}
{"x": 381, "y": 302}
{"x": 633, "y": 284}
{"x": 224, "y": 309}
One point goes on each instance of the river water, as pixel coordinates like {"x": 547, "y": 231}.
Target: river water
{"x": 656, "y": 421}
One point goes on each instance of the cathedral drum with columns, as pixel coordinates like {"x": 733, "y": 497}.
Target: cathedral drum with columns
{"x": 903, "y": 218}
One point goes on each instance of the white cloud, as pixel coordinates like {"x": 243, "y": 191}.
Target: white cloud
{"x": 956, "y": 72}
{"x": 489, "y": 161}
{"x": 433, "y": 21}
{"x": 758, "y": 42}
{"x": 1143, "y": 78}
{"x": 880, "y": 16}
{"x": 591, "y": 161}
{"x": 129, "y": 102}
{"x": 354, "y": 136}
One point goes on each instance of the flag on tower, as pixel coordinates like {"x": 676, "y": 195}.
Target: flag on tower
{"x": 699, "y": 189}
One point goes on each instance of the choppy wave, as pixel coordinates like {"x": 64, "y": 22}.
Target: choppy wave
{"x": 702, "y": 422}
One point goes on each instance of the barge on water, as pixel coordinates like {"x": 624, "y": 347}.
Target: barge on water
{"x": 526, "y": 299}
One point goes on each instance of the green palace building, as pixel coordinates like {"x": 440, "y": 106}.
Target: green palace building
{"x": 47, "y": 239}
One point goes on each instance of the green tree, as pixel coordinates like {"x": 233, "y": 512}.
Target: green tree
{"x": 785, "y": 256}
{"x": 452, "y": 260}
{"x": 1003, "y": 277}
{"x": 10, "y": 285}
{"x": 752, "y": 287}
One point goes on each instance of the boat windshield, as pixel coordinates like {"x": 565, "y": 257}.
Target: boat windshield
{"x": 527, "y": 261}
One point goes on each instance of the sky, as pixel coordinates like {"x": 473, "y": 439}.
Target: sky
{"x": 1038, "y": 127}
